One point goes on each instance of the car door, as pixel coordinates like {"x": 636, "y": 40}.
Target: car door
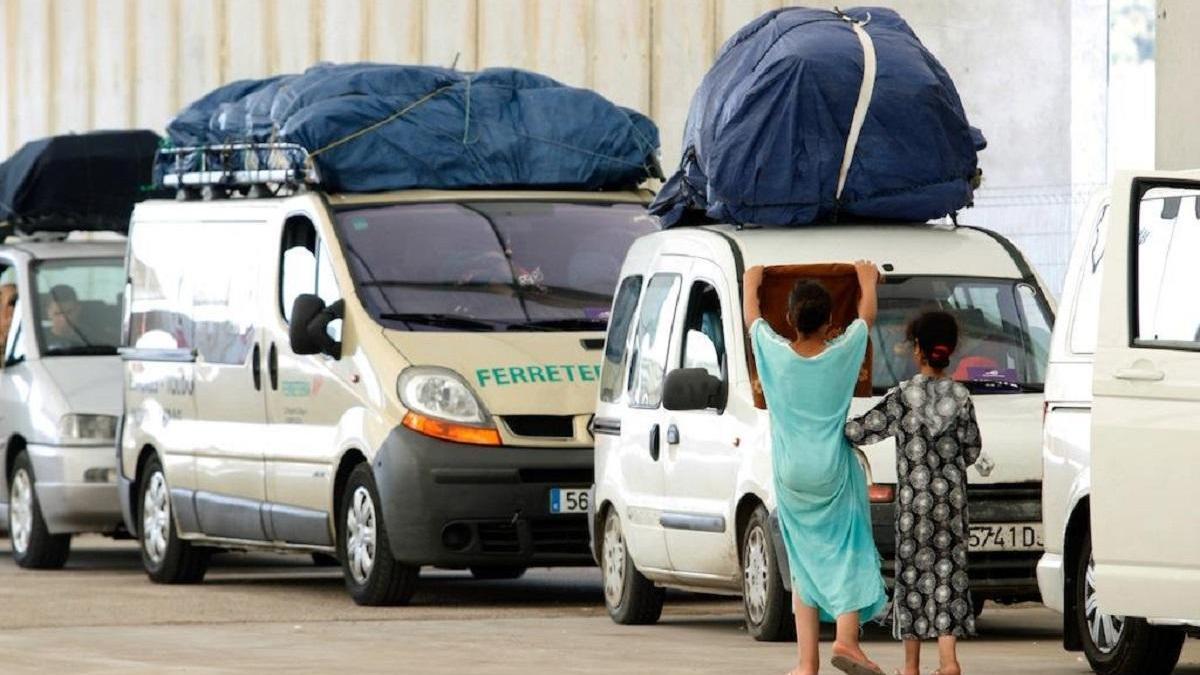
{"x": 225, "y": 266}
{"x": 306, "y": 395}
{"x": 642, "y": 434}
{"x": 699, "y": 456}
{"x": 1146, "y": 422}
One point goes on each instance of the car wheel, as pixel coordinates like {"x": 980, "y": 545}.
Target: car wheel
{"x": 977, "y": 604}
{"x": 501, "y": 572}
{"x": 1116, "y": 645}
{"x": 33, "y": 547}
{"x": 373, "y": 576}
{"x": 765, "y": 602}
{"x": 631, "y": 598}
{"x": 167, "y": 558}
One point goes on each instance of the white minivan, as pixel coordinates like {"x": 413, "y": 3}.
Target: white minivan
{"x": 683, "y": 471}
{"x": 1122, "y": 555}
{"x": 398, "y": 379}
{"x": 60, "y": 392}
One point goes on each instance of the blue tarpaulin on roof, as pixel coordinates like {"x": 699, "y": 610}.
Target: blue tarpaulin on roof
{"x": 372, "y": 127}
{"x": 767, "y": 129}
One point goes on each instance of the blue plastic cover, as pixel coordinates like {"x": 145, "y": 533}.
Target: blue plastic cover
{"x": 373, "y": 127}
{"x": 767, "y": 128}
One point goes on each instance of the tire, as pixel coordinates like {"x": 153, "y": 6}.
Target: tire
{"x": 167, "y": 558}
{"x": 325, "y": 560}
{"x": 1139, "y": 648}
{"x": 631, "y": 599}
{"x": 766, "y": 604}
{"x": 977, "y": 604}
{"x": 501, "y": 572}
{"x": 373, "y": 577}
{"x": 33, "y": 547}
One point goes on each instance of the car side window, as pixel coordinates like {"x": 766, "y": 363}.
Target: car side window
{"x": 616, "y": 347}
{"x": 14, "y": 346}
{"x": 704, "y": 332}
{"x": 297, "y": 263}
{"x": 652, "y": 340}
{"x": 1084, "y": 322}
{"x": 1167, "y": 246}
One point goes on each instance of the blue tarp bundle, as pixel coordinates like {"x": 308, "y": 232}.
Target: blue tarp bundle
{"x": 373, "y": 127}
{"x": 766, "y": 132}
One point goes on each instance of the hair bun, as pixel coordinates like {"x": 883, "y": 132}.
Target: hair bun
{"x": 939, "y": 353}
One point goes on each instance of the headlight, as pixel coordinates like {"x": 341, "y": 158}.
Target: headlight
{"x": 87, "y": 428}
{"x": 440, "y": 393}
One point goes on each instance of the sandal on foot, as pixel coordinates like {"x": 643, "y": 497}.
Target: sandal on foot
{"x": 854, "y": 667}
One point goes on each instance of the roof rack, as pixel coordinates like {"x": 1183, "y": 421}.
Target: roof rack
{"x": 256, "y": 169}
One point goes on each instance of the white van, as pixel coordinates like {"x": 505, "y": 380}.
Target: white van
{"x": 1122, "y": 555}
{"x": 397, "y": 379}
{"x": 683, "y": 471}
{"x": 60, "y": 393}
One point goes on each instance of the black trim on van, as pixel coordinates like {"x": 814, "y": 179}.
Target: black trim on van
{"x": 692, "y": 522}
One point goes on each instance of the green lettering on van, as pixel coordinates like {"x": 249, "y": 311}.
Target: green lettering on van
{"x": 295, "y": 388}
{"x": 543, "y": 374}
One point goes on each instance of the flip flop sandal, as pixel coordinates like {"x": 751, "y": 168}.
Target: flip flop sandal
{"x": 851, "y": 667}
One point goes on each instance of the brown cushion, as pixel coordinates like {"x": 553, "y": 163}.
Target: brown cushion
{"x": 839, "y": 279}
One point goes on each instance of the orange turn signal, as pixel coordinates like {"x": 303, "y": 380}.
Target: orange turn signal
{"x": 449, "y": 431}
{"x": 881, "y": 493}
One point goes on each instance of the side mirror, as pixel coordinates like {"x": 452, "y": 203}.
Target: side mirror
{"x": 692, "y": 389}
{"x": 307, "y": 333}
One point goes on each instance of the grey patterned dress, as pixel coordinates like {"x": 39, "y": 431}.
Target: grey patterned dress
{"x": 937, "y": 438}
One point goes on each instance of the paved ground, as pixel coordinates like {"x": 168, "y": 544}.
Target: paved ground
{"x": 266, "y": 612}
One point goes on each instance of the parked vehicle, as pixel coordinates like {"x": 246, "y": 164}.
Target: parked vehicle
{"x": 60, "y": 393}
{"x": 683, "y": 475}
{"x": 1116, "y": 443}
{"x": 398, "y": 379}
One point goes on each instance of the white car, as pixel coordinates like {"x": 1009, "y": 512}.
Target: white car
{"x": 1122, "y": 557}
{"x": 683, "y": 487}
{"x": 60, "y": 393}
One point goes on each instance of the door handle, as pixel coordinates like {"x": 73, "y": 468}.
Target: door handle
{"x": 256, "y": 367}
{"x": 672, "y": 435}
{"x": 1140, "y": 374}
{"x": 273, "y": 366}
{"x": 654, "y": 450}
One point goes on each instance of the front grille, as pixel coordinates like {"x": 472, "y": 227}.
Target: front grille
{"x": 498, "y": 538}
{"x": 1005, "y": 502}
{"x": 541, "y": 426}
{"x": 560, "y": 535}
{"x": 557, "y": 477}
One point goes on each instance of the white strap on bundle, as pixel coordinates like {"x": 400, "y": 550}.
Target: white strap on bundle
{"x": 864, "y": 99}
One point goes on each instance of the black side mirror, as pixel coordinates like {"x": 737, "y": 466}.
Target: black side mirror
{"x": 693, "y": 389}
{"x": 310, "y": 318}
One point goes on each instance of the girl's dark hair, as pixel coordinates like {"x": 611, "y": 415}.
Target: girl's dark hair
{"x": 809, "y": 306}
{"x": 936, "y": 335}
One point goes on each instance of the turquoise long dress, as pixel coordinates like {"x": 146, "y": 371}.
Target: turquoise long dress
{"x": 820, "y": 488}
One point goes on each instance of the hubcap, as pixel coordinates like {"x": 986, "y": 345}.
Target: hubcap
{"x": 156, "y": 518}
{"x": 614, "y": 560}
{"x": 20, "y": 518}
{"x": 754, "y": 575}
{"x": 1106, "y": 629}
{"x": 360, "y": 535}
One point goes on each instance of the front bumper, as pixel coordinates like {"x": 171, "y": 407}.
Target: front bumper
{"x": 1008, "y": 576}
{"x": 76, "y": 487}
{"x": 1051, "y": 581}
{"x": 455, "y": 505}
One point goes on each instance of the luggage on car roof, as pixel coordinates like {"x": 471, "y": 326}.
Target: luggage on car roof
{"x": 372, "y": 127}
{"x": 77, "y": 181}
{"x": 811, "y": 115}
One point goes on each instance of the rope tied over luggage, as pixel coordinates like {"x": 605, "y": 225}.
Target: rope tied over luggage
{"x": 383, "y": 122}
{"x": 866, "y": 89}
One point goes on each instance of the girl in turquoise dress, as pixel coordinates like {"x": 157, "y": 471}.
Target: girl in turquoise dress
{"x": 820, "y": 488}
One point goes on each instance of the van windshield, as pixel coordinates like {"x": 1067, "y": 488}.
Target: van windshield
{"x": 1004, "y": 332}
{"x": 490, "y": 266}
{"x": 79, "y": 305}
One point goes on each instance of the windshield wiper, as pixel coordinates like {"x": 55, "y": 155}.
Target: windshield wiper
{"x": 81, "y": 350}
{"x": 992, "y": 386}
{"x": 441, "y": 320}
{"x": 561, "y": 324}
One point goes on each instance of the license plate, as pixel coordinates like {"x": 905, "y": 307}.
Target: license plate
{"x": 1006, "y": 537}
{"x": 568, "y": 500}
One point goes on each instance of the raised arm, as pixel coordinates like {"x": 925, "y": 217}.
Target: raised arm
{"x": 868, "y": 281}
{"x": 751, "y": 281}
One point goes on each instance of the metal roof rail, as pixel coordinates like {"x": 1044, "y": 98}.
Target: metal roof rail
{"x": 253, "y": 169}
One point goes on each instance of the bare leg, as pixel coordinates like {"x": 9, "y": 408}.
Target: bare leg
{"x": 948, "y": 655}
{"x": 912, "y": 657}
{"x": 808, "y": 637}
{"x": 846, "y": 644}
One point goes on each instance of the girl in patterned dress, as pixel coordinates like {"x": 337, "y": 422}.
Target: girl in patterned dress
{"x": 933, "y": 421}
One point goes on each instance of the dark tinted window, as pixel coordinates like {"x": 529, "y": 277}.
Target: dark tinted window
{"x": 490, "y": 265}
